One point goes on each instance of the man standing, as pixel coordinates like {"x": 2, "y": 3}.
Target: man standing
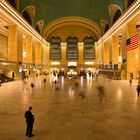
{"x": 29, "y": 120}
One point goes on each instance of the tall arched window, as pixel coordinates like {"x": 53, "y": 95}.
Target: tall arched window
{"x": 106, "y": 28}
{"x": 89, "y": 48}
{"x": 117, "y": 15}
{"x": 130, "y": 2}
{"x": 27, "y": 17}
{"x": 72, "y": 47}
{"x": 104, "y": 25}
{"x": 37, "y": 28}
{"x": 13, "y": 3}
{"x": 55, "y": 48}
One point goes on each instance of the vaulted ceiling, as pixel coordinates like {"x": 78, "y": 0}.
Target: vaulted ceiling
{"x": 49, "y": 10}
{"x": 94, "y": 15}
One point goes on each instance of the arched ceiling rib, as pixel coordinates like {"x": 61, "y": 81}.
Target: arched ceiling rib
{"x": 89, "y": 14}
{"x": 49, "y": 10}
{"x": 78, "y": 26}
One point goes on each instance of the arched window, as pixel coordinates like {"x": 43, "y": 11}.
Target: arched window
{"x": 55, "y": 48}
{"x": 27, "y": 17}
{"x": 37, "y": 28}
{"x": 117, "y": 15}
{"x": 130, "y": 2}
{"x": 72, "y": 47}
{"x": 13, "y": 3}
{"x": 89, "y": 48}
{"x": 106, "y": 28}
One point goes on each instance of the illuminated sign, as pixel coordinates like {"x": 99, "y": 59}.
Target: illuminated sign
{"x": 20, "y": 69}
{"x": 72, "y": 64}
{"x": 89, "y": 63}
{"x": 55, "y": 63}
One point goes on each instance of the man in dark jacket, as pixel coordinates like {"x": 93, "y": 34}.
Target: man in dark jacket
{"x": 29, "y": 120}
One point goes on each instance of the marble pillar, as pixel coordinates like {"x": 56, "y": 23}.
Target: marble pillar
{"x": 38, "y": 53}
{"x": 12, "y": 43}
{"x": 63, "y": 53}
{"x": 80, "y": 52}
{"x": 28, "y": 49}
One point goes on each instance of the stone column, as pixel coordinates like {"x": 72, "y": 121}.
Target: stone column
{"x": 123, "y": 43}
{"x": 115, "y": 49}
{"x": 132, "y": 55}
{"x": 80, "y": 52}
{"x": 28, "y": 49}
{"x": 123, "y": 46}
{"x": 63, "y": 53}
{"x": 101, "y": 53}
{"x": 44, "y": 57}
{"x": 44, "y": 54}
{"x": 48, "y": 54}
{"x": 15, "y": 49}
{"x": 110, "y": 49}
{"x": 38, "y": 53}
{"x": 97, "y": 57}
{"x": 138, "y": 69}
{"x": 106, "y": 53}
{"x": 20, "y": 37}
{"x": 12, "y": 43}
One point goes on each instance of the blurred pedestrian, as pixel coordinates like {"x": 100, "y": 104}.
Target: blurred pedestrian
{"x": 101, "y": 92}
{"x": 82, "y": 94}
{"x": 130, "y": 81}
{"x": 76, "y": 84}
{"x": 55, "y": 82}
{"x": 24, "y": 83}
{"x": 32, "y": 85}
{"x": 44, "y": 80}
{"x": 57, "y": 87}
{"x": 138, "y": 90}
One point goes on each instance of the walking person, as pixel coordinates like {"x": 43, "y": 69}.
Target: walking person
{"x": 29, "y": 120}
{"x": 32, "y": 85}
{"x": 130, "y": 81}
{"x": 44, "y": 80}
{"x": 138, "y": 90}
{"x": 76, "y": 84}
{"x": 82, "y": 94}
{"x": 101, "y": 92}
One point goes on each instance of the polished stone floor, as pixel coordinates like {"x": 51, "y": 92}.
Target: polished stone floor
{"x": 64, "y": 115}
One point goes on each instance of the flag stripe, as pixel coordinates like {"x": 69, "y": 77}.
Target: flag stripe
{"x": 132, "y": 43}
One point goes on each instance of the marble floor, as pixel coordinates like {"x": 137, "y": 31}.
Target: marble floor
{"x": 64, "y": 115}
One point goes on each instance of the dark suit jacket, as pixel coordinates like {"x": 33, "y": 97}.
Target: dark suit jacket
{"x": 29, "y": 117}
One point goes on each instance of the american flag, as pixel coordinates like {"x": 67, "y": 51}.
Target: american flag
{"x": 132, "y": 43}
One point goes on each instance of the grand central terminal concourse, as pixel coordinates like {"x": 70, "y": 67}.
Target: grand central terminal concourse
{"x": 70, "y": 69}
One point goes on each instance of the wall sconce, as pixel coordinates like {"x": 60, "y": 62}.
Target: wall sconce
{"x": 120, "y": 59}
{"x": 136, "y": 56}
{"x": 24, "y": 54}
